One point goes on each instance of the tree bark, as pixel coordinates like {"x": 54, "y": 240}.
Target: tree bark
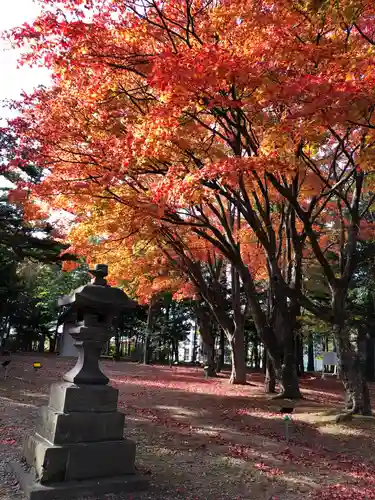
{"x": 175, "y": 349}
{"x": 236, "y": 337}
{"x": 310, "y": 353}
{"x": 4, "y": 339}
{"x": 265, "y": 356}
{"x": 286, "y": 371}
{"x": 351, "y": 363}
{"x": 286, "y": 374}
{"x": 221, "y": 353}
{"x": 41, "y": 341}
{"x": 52, "y": 344}
{"x": 194, "y": 353}
{"x": 246, "y": 348}
{"x": 209, "y": 355}
{"x": 288, "y": 377}
{"x": 270, "y": 379}
{"x": 370, "y": 358}
{"x": 146, "y": 346}
{"x": 357, "y": 392}
{"x": 117, "y": 345}
{"x": 299, "y": 355}
{"x": 207, "y": 333}
{"x": 256, "y": 355}
{"x": 237, "y": 344}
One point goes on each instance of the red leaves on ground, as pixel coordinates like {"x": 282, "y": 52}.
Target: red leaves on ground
{"x": 6, "y": 436}
{"x": 271, "y": 471}
{"x": 344, "y": 492}
{"x": 8, "y": 441}
{"x": 209, "y": 418}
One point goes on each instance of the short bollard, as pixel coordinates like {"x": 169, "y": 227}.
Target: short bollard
{"x": 5, "y": 365}
{"x": 287, "y": 409}
{"x": 36, "y": 366}
{"x": 287, "y": 420}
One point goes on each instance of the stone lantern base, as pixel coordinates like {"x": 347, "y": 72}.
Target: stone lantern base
{"x": 78, "y": 448}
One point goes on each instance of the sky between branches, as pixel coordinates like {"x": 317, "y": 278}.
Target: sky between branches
{"x": 12, "y": 80}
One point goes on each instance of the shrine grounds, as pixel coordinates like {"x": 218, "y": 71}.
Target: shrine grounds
{"x": 204, "y": 439}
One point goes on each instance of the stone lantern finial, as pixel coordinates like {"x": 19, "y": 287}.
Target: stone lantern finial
{"x": 99, "y": 273}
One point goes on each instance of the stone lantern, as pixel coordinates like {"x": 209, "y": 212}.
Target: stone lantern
{"x": 78, "y": 448}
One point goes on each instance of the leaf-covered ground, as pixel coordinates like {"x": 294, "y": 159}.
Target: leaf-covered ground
{"x": 204, "y": 439}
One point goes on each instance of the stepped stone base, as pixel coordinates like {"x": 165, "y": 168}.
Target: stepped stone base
{"x": 67, "y": 397}
{"x": 79, "y": 461}
{"x": 78, "y": 447}
{"x": 77, "y": 427}
{"x": 69, "y": 490}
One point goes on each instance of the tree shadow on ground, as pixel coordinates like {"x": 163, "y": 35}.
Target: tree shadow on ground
{"x": 213, "y": 441}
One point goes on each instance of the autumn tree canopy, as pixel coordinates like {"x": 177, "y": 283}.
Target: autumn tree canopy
{"x": 227, "y": 126}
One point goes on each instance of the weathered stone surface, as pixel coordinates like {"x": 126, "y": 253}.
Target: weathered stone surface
{"x": 69, "y": 490}
{"x": 66, "y": 397}
{"x": 105, "y": 459}
{"x": 49, "y": 462}
{"x": 78, "y": 448}
{"x": 79, "y": 461}
{"x": 77, "y": 427}
{"x": 87, "y": 369}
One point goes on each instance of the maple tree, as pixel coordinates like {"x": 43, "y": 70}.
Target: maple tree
{"x": 244, "y": 122}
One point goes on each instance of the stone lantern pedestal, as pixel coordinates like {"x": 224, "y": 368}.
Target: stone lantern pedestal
{"x": 78, "y": 448}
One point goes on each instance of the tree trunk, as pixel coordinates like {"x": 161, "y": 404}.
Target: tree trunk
{"x": 220, "y": 358}
{"x": 285, "y": 370}
{"x": 194, "y": 353}
{"x": 237, "y": 344}
{"x": 209, "y": 355}
{"x": 285, "y": 373}
{"x": 370, "y": 358}
{"x": 299, "y": 355}
{"x": 146, "y": 348}
{"x": 264, "y": 360}
{"x": 251, "y": 358}
{"x": 310, "y": 353}
{"x": 6, "y": 334}
{"x": 207, "y": 333}
{"x": 117, "y": 346}
{"x": 357, "y": 392}
{"x": 285, "y": 362}
{"x": 236, "y": 336}
{"x": 351, "y": 363}
{"x": 256, "y": 355}
{"x": 288, "y": 378}
{"x": 41, "y": 341}
{"x": 52, "y": 344}
{"x": 270, "y": 379}
{"x": 175, "y": 349}
{"x": 246, "y": 348}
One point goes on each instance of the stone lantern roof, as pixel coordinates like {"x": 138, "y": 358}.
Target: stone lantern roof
{"x": 98, "y": 294}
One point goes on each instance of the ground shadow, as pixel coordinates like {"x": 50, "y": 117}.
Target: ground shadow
{"x": 213, "y": 432}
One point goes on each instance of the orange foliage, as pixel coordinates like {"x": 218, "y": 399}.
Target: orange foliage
{"x": 164, "y": 120}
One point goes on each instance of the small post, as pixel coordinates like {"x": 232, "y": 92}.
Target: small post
{"x": 6, "y": 364}
{"x": 287, "y": 410}
{"x": 36, "y": 366}
{"x": 287, "y": 419}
